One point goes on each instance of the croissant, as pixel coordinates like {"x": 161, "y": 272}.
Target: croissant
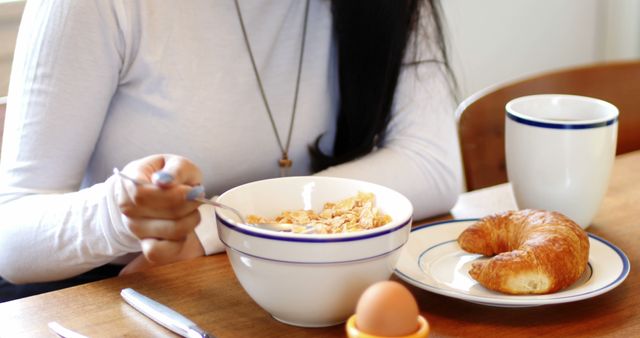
{"x": 536, "y": 252}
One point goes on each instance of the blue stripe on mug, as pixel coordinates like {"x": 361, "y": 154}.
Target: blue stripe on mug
{"x": 562, "y": 125}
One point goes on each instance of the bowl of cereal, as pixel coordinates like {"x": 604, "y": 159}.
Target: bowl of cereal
{"x": 313, "y": 278}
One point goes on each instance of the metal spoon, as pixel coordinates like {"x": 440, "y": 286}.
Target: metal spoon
{"x": 282, "y": 227}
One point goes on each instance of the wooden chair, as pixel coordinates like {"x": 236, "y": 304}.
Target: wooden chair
{"x": 481, "y": 116}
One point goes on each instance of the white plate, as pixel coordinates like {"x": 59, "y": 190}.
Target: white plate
{"x": 433, "y": 261}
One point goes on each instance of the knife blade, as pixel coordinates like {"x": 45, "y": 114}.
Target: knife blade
{"x": 163, "y": 315}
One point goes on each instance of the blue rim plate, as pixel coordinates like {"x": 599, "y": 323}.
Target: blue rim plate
{"x": 433, "y": 261}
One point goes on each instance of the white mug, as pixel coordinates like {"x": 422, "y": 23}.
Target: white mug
{"x": 559, "y": 152}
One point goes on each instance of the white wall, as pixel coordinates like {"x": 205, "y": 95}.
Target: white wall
{"x": 10, "y": 12}
{"x": 491, "y": 41}
{"x": 494, "y": 41}
{"x": 621, "y": 35}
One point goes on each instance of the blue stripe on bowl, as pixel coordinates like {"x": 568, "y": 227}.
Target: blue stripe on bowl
{"x": 304, "y": 238}
{"x": 562, "y": 125}
{"x": 315, "y": 263}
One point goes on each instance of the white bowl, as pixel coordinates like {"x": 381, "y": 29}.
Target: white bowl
{"x": 310, "y": 280}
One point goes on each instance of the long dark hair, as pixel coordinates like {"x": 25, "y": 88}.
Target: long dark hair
{"x": 371, "y": 36}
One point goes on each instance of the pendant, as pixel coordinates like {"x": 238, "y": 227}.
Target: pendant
{"x": 285, "y": 165}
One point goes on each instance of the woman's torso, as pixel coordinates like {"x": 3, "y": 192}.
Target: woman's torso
{"x": 187, "y": 87}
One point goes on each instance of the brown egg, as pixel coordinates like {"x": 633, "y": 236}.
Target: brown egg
{"x": 387, "y": 309}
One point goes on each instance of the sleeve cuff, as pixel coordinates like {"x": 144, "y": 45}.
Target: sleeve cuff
{"x": 207, "y": 231}
{"x": 117, "y": 230}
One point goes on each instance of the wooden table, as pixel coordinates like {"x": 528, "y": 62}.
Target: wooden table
{"x": 207, "y": 291}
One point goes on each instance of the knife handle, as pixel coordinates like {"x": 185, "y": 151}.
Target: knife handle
{"x": 163, "y": 315}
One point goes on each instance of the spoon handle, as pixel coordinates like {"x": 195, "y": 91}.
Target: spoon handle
{"x": 223, "y": 206}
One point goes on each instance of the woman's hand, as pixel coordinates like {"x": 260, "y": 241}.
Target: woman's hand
{"x": 191, "y": 249}
{"x": 162, "y": 214}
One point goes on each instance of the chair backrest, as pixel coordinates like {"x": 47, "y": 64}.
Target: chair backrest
{"x": 481, "y": 116}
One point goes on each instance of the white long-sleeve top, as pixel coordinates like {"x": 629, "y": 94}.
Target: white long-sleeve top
{"x": 96, "y": 84}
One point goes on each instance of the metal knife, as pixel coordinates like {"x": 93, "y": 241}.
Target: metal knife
{"x": 163, "y": 315}
{"x": 63, "y": 332}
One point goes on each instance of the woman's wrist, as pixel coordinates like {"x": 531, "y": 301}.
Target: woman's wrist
{"x": 113, "y": 189}
{"x": 207, "y": 231}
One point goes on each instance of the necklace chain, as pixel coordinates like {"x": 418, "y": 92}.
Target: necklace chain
{"x": 285, "y": 163}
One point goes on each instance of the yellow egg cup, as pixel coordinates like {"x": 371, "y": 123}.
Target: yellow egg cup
{"x": 353, "y": 332}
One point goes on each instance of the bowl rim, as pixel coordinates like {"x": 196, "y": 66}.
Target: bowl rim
{"x": 313, "y": 238}
{"x": 393, "y": 226}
